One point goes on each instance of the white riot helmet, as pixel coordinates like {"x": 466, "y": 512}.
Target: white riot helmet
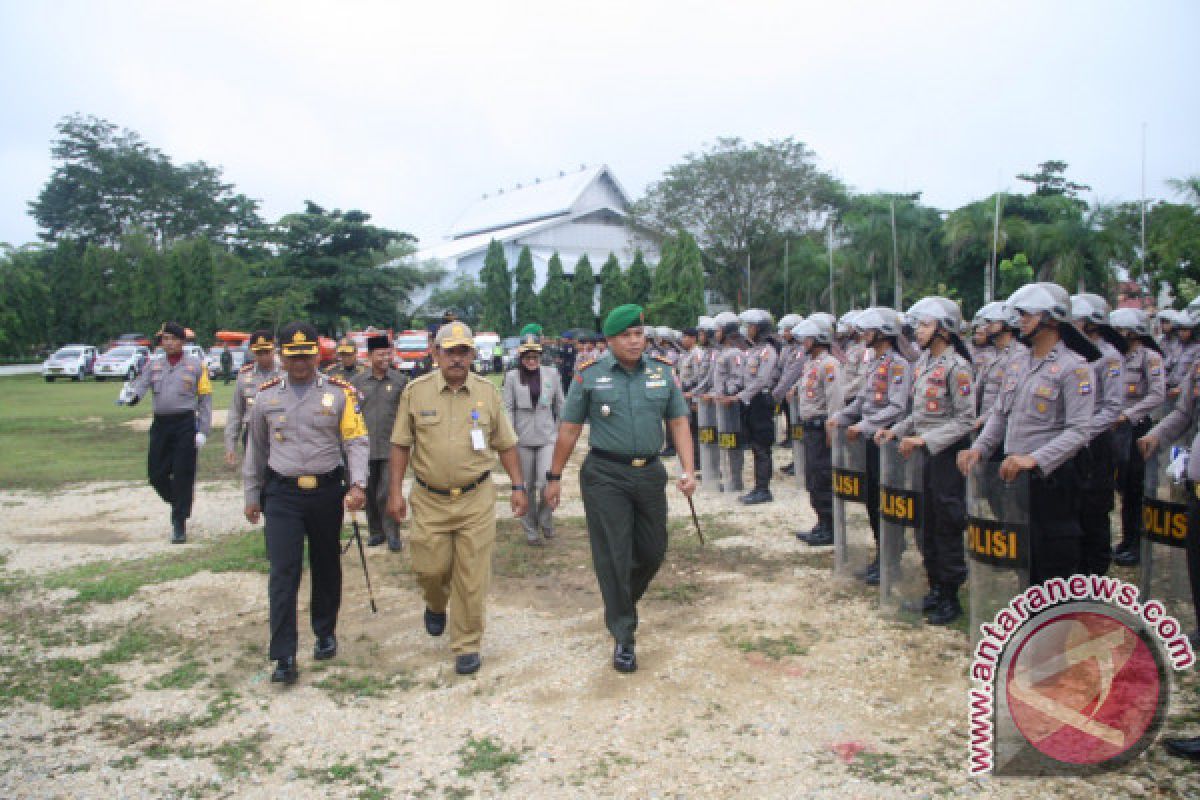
{"x": 942, "y": 310}
{"x": 789, "y": 321}
{"x": 845, "y": 323}
{"x": 1192, "y": 313}
{"x": 758, "y": 318}
{"x": 726, "y": 322}
{"x": 879, "y": 318}
{"x": 1130, "y": 319}
{"x": 706, "y": 324}
{"x": 1039, "y": 298}
{"x": 812, "y": 328}
{"x": 1090, "y": 308}
{"x": 995, "y": 311}
{"x": 830, "y": 321}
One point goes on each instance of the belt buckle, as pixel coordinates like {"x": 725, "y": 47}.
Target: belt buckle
{"x": 307, "y": 481}
{"x": 455, "y": 492}
{"x": 1196, "y": 489}
{"x": 637, "y": 462}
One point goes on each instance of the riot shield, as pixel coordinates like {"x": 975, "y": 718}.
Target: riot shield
{"x": 902, "y": 581}
{"x": 1163, "y": 574}
{"x": 853, "y": 543}
{"x": 710, "y": 454}
{"x": 997, "y": 541}
{"x": 797, "y": 440}
{"x": 729, "y": 442}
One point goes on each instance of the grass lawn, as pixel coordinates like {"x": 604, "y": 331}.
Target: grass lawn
{"x": 64, "y": 432}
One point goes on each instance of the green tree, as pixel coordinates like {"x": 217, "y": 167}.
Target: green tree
{"x": 639, "y": 280}
{"x": 497, "y": 290}
{"x": 555, "y": 299}
{"x": 1013, "y": 273}
{"x": 26, "y": 306}
{"x": 662, "y": 287}
{"x": 466, "y": 297}
{"x": 613, "y": 291}
{"x": 678, "y": 284}
{"x": 1050, "y": 180}
{"x": 583, "y": 294}
{"x": 525, "y": 299}
{"x": 738, "y": 200}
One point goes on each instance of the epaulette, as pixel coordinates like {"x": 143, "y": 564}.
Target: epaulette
{"x": 269, "y": 383}
{"x": 246, "y": 367}
{"x": 663, "y": 359}
{"x": 342, "y": 382}
{"x": 585, "y": 364}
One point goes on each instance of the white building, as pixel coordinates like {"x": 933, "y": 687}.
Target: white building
{"x": 579, "y": 212}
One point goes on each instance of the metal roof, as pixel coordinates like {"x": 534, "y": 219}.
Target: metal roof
{"x": 542, "y": 200}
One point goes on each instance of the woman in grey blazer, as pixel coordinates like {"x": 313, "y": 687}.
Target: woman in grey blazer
{"x": 533, "y": 398}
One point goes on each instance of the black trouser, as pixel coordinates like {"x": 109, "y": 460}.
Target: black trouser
{"x": 787, "y": 418}
{"x": 694, "y": 426}
{"x": 758, "y": 421}
{"x": 1131, "y": 479}
{"x": 818, "y": 470}
{"x": 872, "y": 496}
{"x": 945, "y": 518}
{"x": 626, "y": 509}
{"x": 1095, "y": 466}
{"x": 294, "y": 515}
{"x": 171, "y": 461}
{"x": 378, "y": 474}
{"x": 1192, "y": 547}
{"x": 1054, "y": 534}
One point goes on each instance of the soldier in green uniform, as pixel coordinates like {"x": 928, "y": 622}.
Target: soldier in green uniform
{"x": 625, "y": 395}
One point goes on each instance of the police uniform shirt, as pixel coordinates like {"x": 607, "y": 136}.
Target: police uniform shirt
{"x": 758, "y": 368}
{"x": 706, "y": 370}
{"x": 883, "y": 398}
{"x": 688, "y": 367}
{"x": 1180, "y": 366}
{"x": 1181, "y": 417}
{"x": 435, "y": 421}
{"x": 625, "y": 407}
{"x": 178, "y": 389}
{"x": 784, "y": 348}
{"x": 991, "y": 378}
{"x": 792, "y": 364}
{"x": 1044, "y": 409}
{"x": 1144, "y": 381}
{"x": 943, "y": 400}
{"x": 1109, "y": 372}
{"x": 854, "y": 370}
{"x": 981, "y": 359}
{"x": 379, "y": 398}
{"x": 303, "y": 431}
{"x": 820, "y": 388}
{"x": 249, "y": 378}
{"x": 727, "y": 375}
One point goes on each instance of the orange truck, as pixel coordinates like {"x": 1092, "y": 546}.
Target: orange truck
{"x": 411, "y": 348}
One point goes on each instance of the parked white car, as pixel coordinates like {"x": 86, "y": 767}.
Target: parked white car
{"x": 214, "y": 359}
{"x": 74, "y": 361}
{"x": 123, "y": 362}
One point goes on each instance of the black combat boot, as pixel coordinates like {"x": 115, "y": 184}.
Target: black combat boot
{"x": 948, "y": 608}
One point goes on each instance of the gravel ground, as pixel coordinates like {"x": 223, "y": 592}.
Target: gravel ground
{"x": 759, "y": 677}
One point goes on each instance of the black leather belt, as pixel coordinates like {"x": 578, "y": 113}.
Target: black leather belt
{"x": 633, "y": 461}
{"x": 456, "y": 491}
{"x": 309, "y": 482}
{"x": 815, "y": 423}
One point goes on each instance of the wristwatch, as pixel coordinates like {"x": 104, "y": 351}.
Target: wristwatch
{"x": 553, "y": 476}
{"x": 518, "y": 487}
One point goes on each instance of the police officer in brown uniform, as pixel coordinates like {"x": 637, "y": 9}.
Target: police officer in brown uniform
{"x": 1095, "y": 461}
{"x": 346, "y": 367}
{"x": 941, "y": 413}
{"x": 182, "y": 418}
{"x": 1145, "y": 392}
{"x": 379, "y": 389}
{"x": 818, "y": 393}
{"x": 451, "y": 426}
{"x": 1042, "y": 419}
{"x": 882, "y": 401}
{"x": 263, "y": 368}
{"x": 299, "y": 427}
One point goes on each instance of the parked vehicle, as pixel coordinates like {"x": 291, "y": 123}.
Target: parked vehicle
{"x": 122, "y": 362}
{"x": 411, "y": 347}
{"x": 485, "y": 344}
{"x": 213, "y": 359}
{"x": 510, "y": 345}
{"x": 132, "y": 339}
{"x": 74, "y": 361}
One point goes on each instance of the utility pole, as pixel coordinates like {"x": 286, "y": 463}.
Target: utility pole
{"x": 748, "y": 279}
{"x": 989, "y": 289}
{"x": 1143, "y": 200}
{"x": 787, "y": 292}
{"x": 829, "y": 242}
{"x": 898, "y": 287}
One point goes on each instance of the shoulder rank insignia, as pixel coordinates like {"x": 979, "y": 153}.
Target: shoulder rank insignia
{"x": 269, "y": 383}
{"x": 585, "y": 364}
{"x": 663, "y": 359}
{"x": 246, "y": 368}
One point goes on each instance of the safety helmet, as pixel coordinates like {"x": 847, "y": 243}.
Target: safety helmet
{"x": 830, "y": 320}
{"x": 845, "y": 323}
{"x": 726, "y": 322}
{"x": 789, "y": 321}
{"x": 879, "y": 318}
{"x": 759, "y": 318}
{"x": 942, "y": 310}
{"x": 1043, "y": 297}
{"x": 1130, "y": 319}
{"x": 813, "y": 328}
{"x": 995, "y": 311}
{"x": 1089, "y": 307}
{"x": 1191, "y": 314}
{"x": 706, "y": 324}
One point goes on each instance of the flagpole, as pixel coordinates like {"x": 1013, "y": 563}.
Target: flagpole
{"x": 829, "y": 241}
{"x": 787, "y": 292}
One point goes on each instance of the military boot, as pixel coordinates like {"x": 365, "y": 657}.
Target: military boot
{"x": 178, "y": 531}
{"x": 948, "y": 608}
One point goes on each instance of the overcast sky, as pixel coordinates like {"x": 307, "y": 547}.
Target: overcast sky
{"x": 410, "y": 111}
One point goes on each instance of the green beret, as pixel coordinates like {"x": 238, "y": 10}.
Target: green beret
{"x": 622, "y": 318}
{"x": 532, "y": 327}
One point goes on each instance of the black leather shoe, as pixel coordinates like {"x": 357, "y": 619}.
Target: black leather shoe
{"x": 757, "y": 496}
{"x": 872, "y": 574}
{"x": 395, "y": 543}
{"x": 178, "y": 532}
{"x": 467, "y": 663}
{"x": 930, "y": 601}
{"x": 821, "y": 537}
{"x": 1126, "y": 558}
{"x": 624, "y": 658}
{"x": 326, "y": 647}
{"x": 376, "y": 540}
{"x": 948, "y": 608}
{"x": 1184, "y": 748}
{"x": 285, "y": 671}
{"x": 435, "y": 622}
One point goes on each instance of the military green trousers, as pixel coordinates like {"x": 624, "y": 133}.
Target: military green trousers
{"x": 626, "y": 510}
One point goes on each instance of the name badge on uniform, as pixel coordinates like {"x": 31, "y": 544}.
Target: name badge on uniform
{"x": 656, "y": 384}
{"x": 327, "y": 400}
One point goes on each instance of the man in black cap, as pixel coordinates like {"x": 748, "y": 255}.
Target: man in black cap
{"x": 182, "y": 416}
{"x": 263, "y": 368}
{"x": 346, "y": 367}
{"x": 299, "y": 428}
{"x": 379, "y": 389}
